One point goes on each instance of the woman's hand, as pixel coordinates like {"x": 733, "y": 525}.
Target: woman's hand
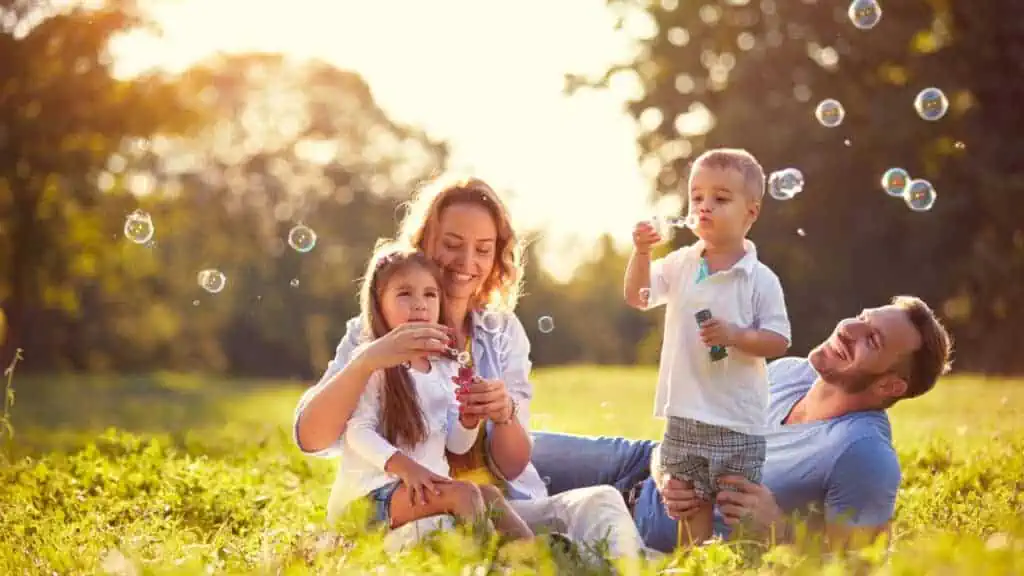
{"x": 485, "y": 399}
{"x": 404, "y": 344}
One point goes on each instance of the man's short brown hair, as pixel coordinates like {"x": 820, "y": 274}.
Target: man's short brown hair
{"x": 933, "y": 358}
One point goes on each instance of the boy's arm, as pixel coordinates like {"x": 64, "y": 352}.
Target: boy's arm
{"x": 761, "y": 343}
{"x": 658, "y": 278}
{"x": 770, "y": 336}
{"x": 638, "y": 277}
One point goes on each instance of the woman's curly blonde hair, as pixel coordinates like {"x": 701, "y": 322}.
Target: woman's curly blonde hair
{"x": 419, "y": 225}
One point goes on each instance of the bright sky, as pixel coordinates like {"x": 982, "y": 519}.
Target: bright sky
{"x": 570, "y": 162}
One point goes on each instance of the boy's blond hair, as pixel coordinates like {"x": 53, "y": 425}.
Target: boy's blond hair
{"x": 740, "y": 160}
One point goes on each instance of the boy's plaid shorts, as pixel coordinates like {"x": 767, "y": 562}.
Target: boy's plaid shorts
{"x": 700, "y": 453}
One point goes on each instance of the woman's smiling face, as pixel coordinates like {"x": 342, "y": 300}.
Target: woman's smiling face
{"x": 464, "y": 246}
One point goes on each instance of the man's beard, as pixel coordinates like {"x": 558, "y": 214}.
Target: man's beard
{"x": 851, "y": 383}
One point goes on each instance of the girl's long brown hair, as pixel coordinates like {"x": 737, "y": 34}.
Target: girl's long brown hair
{"x": 401, "y": 415}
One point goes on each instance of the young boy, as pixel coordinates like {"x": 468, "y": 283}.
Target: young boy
{"x": 725, "y": 314}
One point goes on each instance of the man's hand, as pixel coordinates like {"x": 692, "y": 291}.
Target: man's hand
{"x": 748, "y": 502}
{"x": 678, "y": 497}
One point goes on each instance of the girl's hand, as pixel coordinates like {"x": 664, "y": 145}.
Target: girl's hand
{"x": 404, "y": 344}
{"x": 418, "y": 480}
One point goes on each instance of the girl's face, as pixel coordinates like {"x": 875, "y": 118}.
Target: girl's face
{"x": 465, "y": 249}
{"x": 410, "y": 295}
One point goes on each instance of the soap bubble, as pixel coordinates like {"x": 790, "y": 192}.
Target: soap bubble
{"x": 931, "y": 104}
{"x": 138, "y": 227}
{"x": 545, "y": 324}
{"x": 490, "y": 321}
{"x": 688, "y": 221}
{"x": 212, "y": 280}
{"x": 920, "y": 196}
{"x": 830, "y": 113}
{"x": 785, "y": 184}
{"x": 865, "y": 14}
{"x": 294, "y": 283}
{"x": 302, "y": 238}
{"x": 895, "y": 182}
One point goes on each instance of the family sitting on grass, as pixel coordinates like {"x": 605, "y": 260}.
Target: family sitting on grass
{"x": 427, "y": 400}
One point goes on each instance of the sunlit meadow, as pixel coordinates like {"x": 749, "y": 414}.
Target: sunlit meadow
{"x": 168, "y": 474}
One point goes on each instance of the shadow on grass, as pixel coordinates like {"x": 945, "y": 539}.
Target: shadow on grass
{"x": 66, "y": 412}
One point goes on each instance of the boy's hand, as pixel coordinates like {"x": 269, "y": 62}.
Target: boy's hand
{"x": 644, "y": 237}
{"x": 714, "y": 332}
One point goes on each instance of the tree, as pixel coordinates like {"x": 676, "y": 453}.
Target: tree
{"x": 288, "y": 143}
{"x": 62, "y": 114}
{"x": 761, "y": 68}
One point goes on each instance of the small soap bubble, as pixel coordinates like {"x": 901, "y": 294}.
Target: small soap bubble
{"x": 301, "y": 238}
{"x": 931, "y": 104}
{"x": 895, "y": 182}
{"x": 785, "y": 184}
{"x": 138, "y": 227}
{"x": 195, "y": 302}
{"x": 920, "y": 195}
{"x": 830, "y": 113}
{"x": 688, "y": 221}
{"x": 294, "y": 283}
{"x": 959, "y": 145}
{"x": 865, "y": 14}
{"x": 545, "y": 324}
{"x": 847, "y": 143}
{"x": 211, "y": 280}
{"x": 490, "y": 321}
{"x": 800, "y": 232}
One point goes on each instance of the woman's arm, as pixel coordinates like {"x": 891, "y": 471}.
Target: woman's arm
{"x": 324, "y": 409}
{"x": 510, "y": 443}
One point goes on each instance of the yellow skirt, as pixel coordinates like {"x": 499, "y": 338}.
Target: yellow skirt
{"x": 473, "y": 465}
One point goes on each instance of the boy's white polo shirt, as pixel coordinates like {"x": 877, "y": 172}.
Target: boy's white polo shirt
{"x": 732, "y": 392}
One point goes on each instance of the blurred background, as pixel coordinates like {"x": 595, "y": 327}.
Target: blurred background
{"x": 227, "y": 124}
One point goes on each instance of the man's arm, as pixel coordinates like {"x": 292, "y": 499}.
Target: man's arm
{"x": 860, "y": 497}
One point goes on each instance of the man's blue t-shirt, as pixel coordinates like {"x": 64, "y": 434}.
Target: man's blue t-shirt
{"x": 843, "y": 468}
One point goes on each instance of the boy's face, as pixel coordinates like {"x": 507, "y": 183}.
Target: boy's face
{"x": 723, "y": 208}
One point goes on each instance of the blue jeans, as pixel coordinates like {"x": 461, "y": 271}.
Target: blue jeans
{"x": 567, "y": 461}
{"x": 380, "y": 502}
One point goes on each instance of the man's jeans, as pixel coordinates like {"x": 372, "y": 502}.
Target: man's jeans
{"x": 567, "y": 461}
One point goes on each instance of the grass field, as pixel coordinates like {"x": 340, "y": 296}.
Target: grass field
{"x": 168, "y": 474}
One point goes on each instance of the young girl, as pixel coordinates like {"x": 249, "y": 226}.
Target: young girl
{"x": 394, "y": 450}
